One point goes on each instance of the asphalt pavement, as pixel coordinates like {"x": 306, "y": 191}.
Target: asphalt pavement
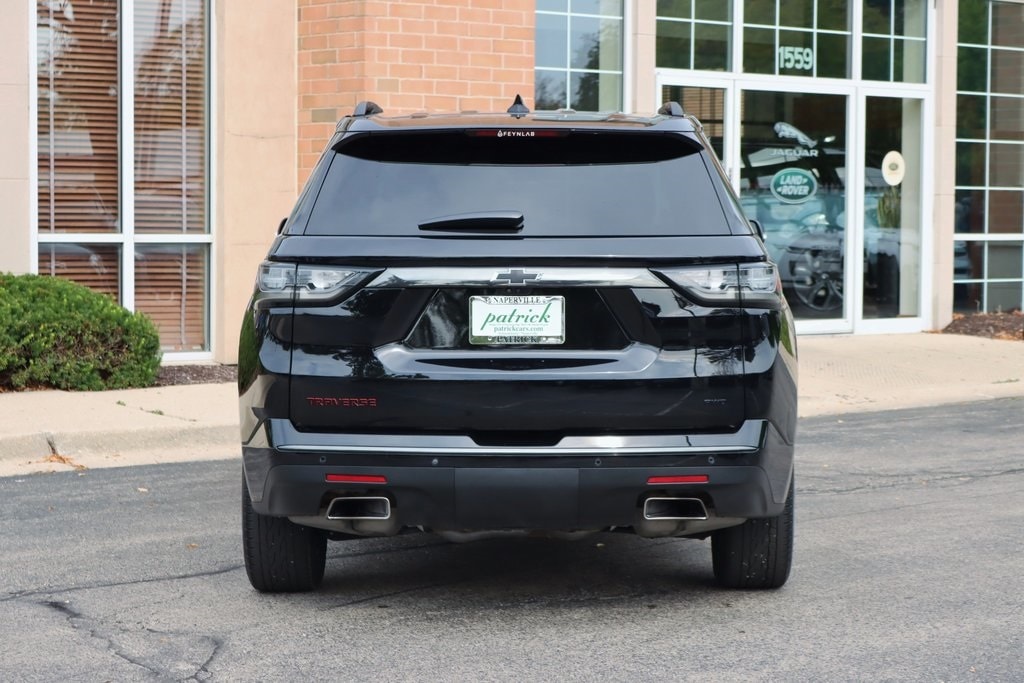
{"x": 907, "y": 568}
{"x": 52, "y": 431}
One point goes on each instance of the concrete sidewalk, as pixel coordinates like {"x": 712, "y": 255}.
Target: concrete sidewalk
{"x": 63, "y": 430}
{"x": 886, "y": 372}
{"x": 58, "y": 430}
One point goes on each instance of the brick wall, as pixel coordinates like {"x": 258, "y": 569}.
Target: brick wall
{"x": 407, "y": 56}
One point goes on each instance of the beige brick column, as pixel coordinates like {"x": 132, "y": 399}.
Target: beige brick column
{"x": 407, "y": 56}
{"x": 255, "y": 135}
{"x": 643, "y": 35}
{"x": 15, "y": 159}
{"x": 943, "y": 223}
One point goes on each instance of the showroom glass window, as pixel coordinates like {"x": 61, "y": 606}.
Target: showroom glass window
{"x": 894, "y": 40}
{"x": 694, "y": 34}
{"x": 123, "y": 131}
{"x": 988, "y": 256}
{"x": 579, "y": 55}
{"x": 797, "y": 37}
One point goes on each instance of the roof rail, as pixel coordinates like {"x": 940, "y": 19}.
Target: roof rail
{"x": 672, "y": 109}
{"x": 518, "y": 109}
{"x": 367, "y": 108}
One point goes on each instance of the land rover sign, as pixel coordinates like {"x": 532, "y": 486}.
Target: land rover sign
{"x": 794, "y": 185}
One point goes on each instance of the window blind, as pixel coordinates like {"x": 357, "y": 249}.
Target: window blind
{"x": 78, "y": 118}
{"x": 97, "y": 266}
{"x": 170, "y": 116}
{"x": 170, "y": 287}
{"x": 170, "y": 132}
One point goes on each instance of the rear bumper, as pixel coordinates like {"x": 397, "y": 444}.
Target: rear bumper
{"x": 447, "y": 483}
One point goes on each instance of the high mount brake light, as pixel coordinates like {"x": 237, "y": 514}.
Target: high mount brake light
{"x": 747, "y": 285}
{"x": 277, "y": 281}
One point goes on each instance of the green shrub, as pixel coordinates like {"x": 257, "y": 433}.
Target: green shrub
{"x": 59, "y": 334}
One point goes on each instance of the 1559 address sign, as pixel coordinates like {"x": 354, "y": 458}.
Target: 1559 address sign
{"x": 796, "y": 58}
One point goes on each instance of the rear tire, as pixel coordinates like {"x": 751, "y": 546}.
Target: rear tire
{"x": 755, "y": 554}
{"x": 280, "y": 556}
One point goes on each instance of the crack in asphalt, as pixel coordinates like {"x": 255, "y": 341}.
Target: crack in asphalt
{"x": 948, "y": 480}
{"x": 204, "y": 668}
{"x": 555, "y": 601}
{"x": 380, "y": 596}
{"x": 58, "y": 590}
{"x": 904, "y": 481}
{"x": 874, "y": 511}
{"x": 108, "y": 635}
{"x": 78, "y": 622}
{"x": 116, "y": 584}
{"x": 386, "y": 551}
{"x": 218, "y": 644}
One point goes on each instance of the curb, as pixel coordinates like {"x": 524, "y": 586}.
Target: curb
{"x": 116, "y": 444}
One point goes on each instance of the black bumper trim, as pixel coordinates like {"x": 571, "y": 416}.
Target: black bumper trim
{"x": 551, "y": 489}
{"x": 460, "y": 498}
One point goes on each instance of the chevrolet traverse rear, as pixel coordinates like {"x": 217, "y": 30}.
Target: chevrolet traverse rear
{"x": 543, "y": 322}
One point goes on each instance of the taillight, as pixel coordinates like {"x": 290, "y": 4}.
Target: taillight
{"x": 746, "y": 285}
{"x": 283, "y": 281}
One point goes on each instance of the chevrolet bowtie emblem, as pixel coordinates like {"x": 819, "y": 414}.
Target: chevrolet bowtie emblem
{"x": 516, "y": 276}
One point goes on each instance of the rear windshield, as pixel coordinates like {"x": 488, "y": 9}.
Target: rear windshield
{"x": 563, "y": 184}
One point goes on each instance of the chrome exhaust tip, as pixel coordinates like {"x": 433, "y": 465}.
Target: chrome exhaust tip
{"x": 675, "y": 508}
{"x": 362, "y": 507}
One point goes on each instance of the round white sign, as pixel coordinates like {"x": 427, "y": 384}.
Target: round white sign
{"x": 893, "y": 168}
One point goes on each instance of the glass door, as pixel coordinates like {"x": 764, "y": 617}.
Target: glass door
{"x": 793, "y": 174}
{"x": 892, "y": 265}
{"x": 786, "y": 153}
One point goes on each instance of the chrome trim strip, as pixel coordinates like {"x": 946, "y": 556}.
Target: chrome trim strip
{"x": 528, "y": 451}
{"x": 557, "y": 276}
{"x": 747, "y": 439}
{"x": 399, "y": 359}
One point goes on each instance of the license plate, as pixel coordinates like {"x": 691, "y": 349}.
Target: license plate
{"x": 516, "y": 319}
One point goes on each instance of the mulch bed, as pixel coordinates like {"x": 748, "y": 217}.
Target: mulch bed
{"x": 170, "y": 375}
{"x": 992, "y": 325}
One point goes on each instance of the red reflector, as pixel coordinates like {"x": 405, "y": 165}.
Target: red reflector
{"x": 680, "y": 479}
{"x": 356, "y": 478}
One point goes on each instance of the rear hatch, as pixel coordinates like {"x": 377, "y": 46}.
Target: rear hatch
{"x": 517, "y": 288}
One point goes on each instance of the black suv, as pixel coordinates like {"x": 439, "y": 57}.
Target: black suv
{"x": 544, "y": 322}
